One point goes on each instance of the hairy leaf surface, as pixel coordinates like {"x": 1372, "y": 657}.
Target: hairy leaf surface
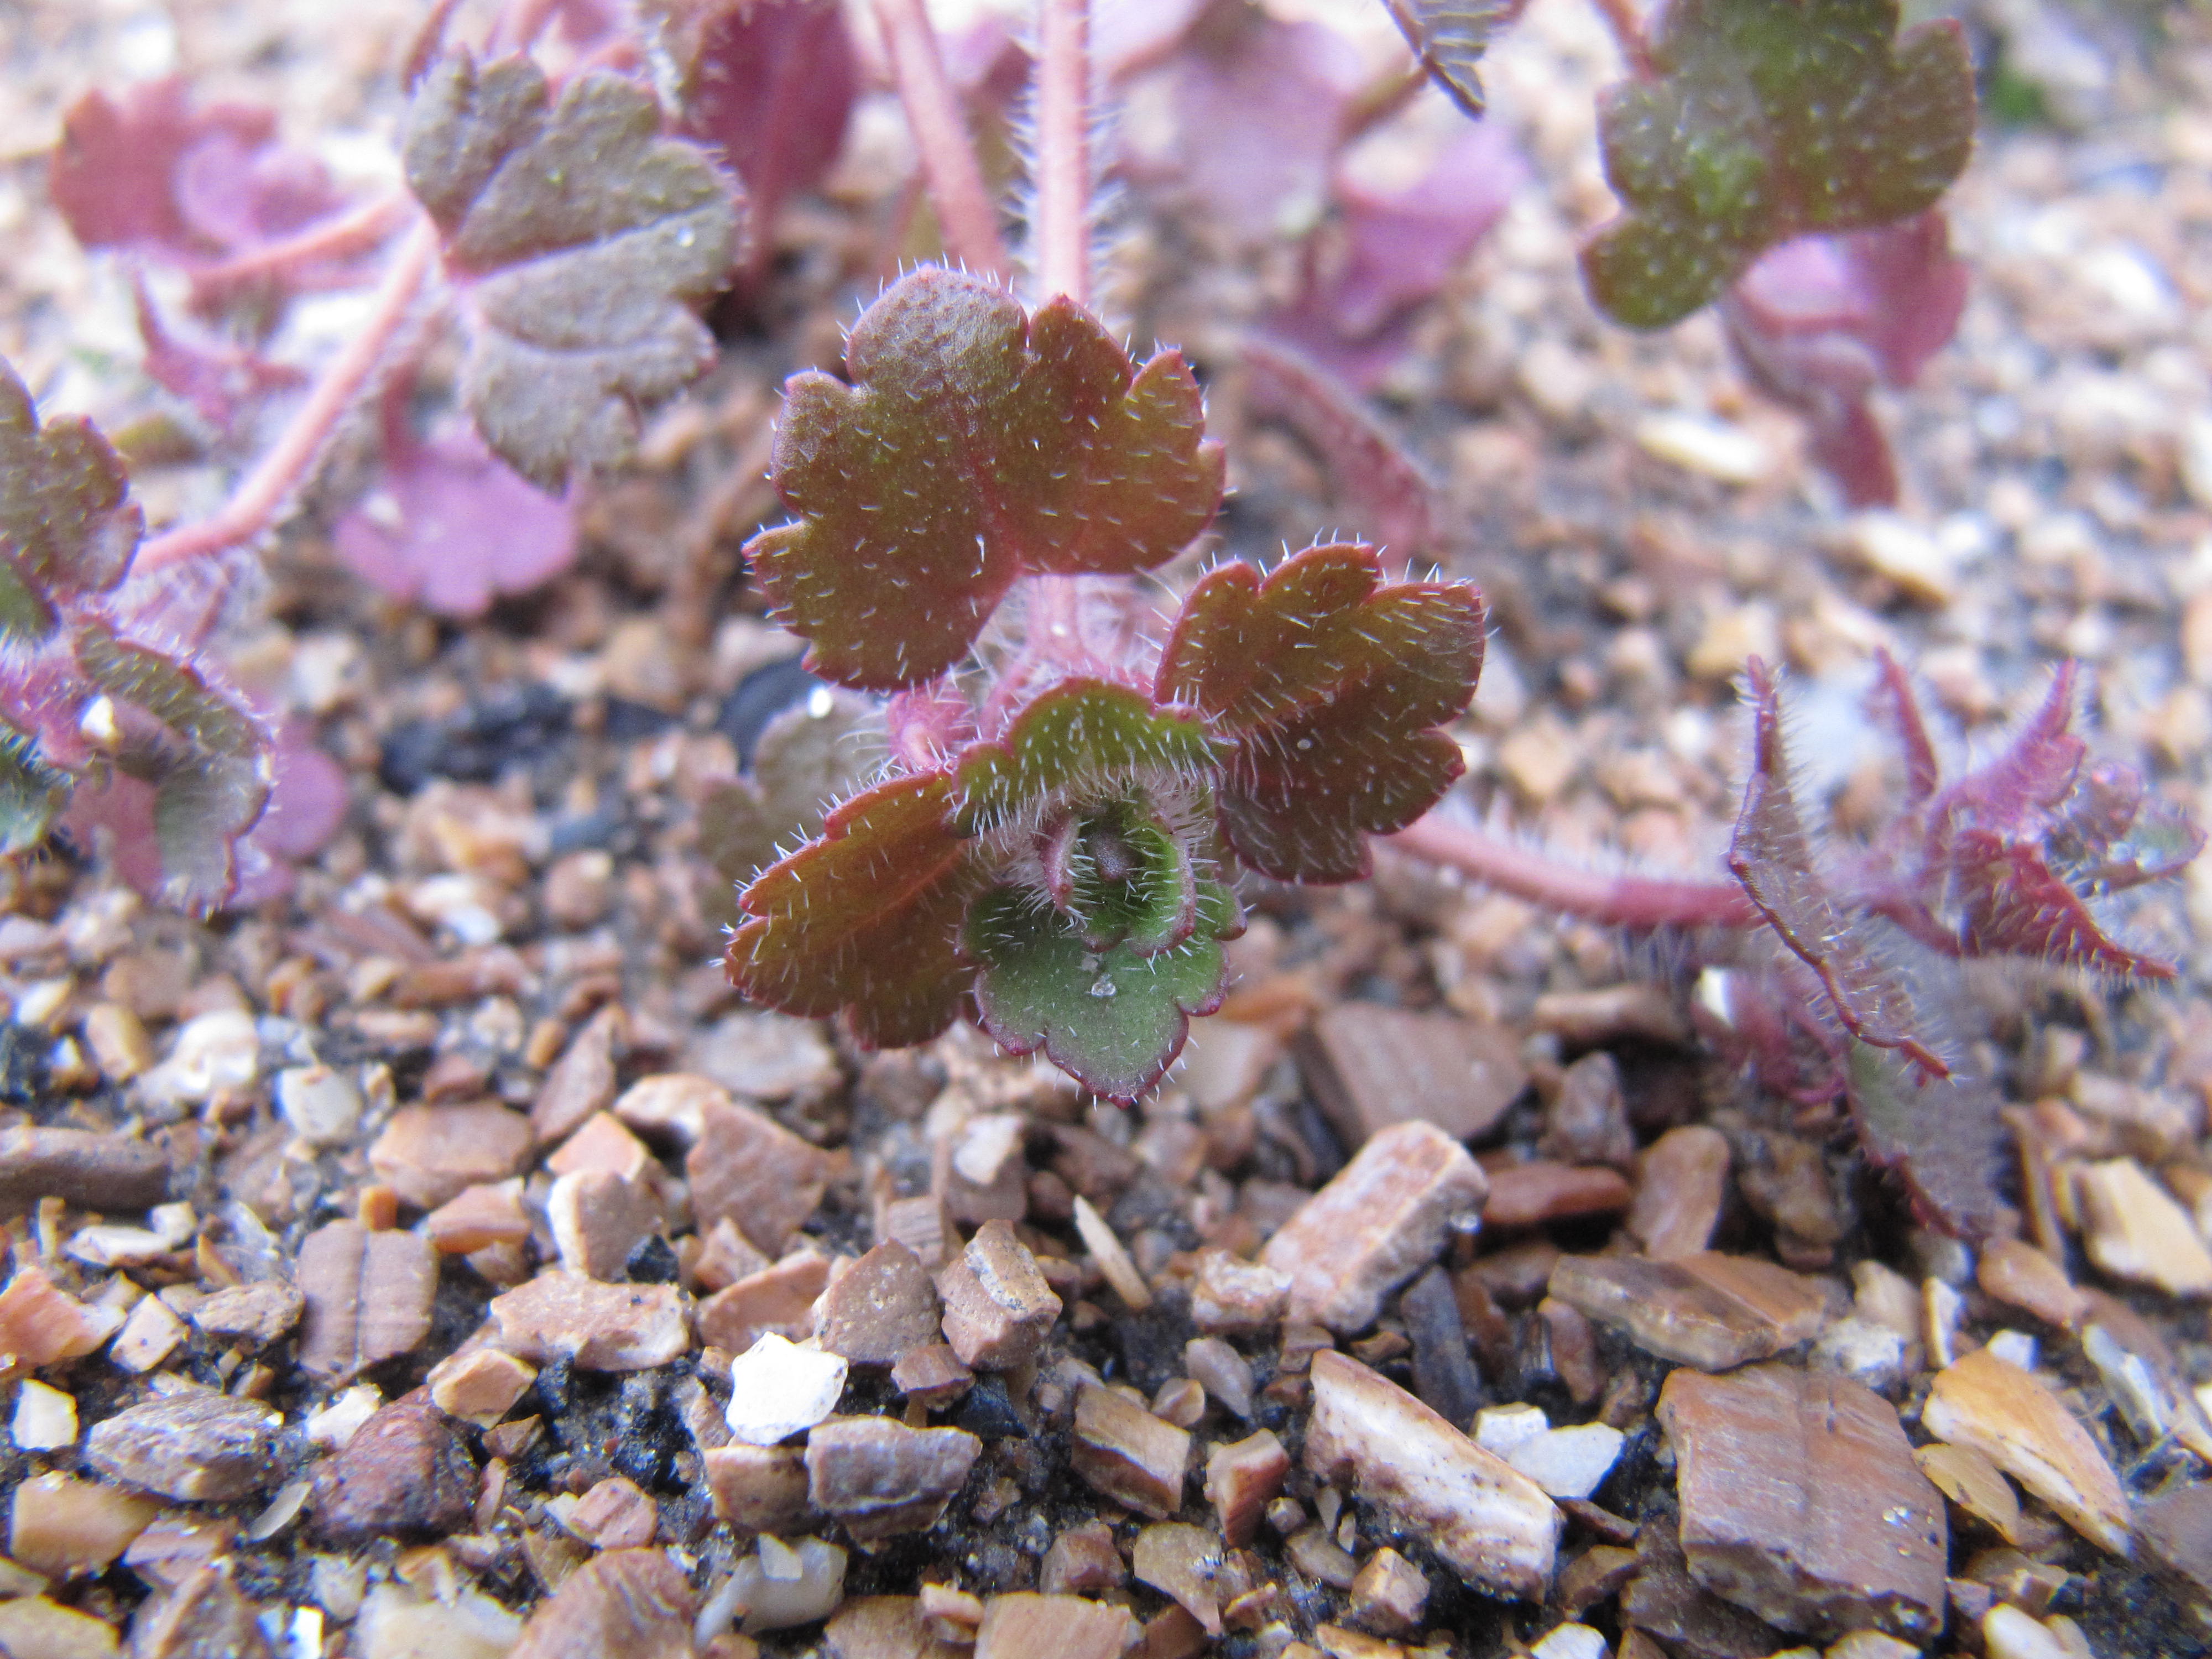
{"x": 807, "y": 757}
{"x": 974, "y": 444}
{"x": 866, "y": 922}
{"x": 1761, "y": 120}
{"x": 583, "y": 237}
{"x": 1115, "y": 1019}
{"x": 1944, "y": 1135}
{"x": 1332, "y": 685}
{"x": 1085, "y": 740}
{"x": 68, "y": 526}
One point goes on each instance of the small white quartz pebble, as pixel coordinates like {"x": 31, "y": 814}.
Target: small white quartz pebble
{"x": 2014, "y": 1348}
{"x": 778, "y": 1389}
{"x": 1500, "y": 1428}
{"x": 1569, "y": 1462}
{"x": 46, "y": 1418}
{"x": 788, "y": 1584}
{"x": 2009, "y": 1633}
{"x": 335, "y": 1423}
{"x": 1570, "y": 1642}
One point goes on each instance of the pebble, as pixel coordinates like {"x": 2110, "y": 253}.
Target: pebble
{"x": 2009, "y": 1633}
{"x": 582, "y": 1081}
{"x": 91, "y": 1170}
{"x": 428, "y": 1154}
{"x": 1901, "y": 552}
{"x": 479, "y": 1385}
{"x": 1027, "y": 1625}
{"x": 1710, "y": 447}
{"x": 672, "y": 1106}
{"x": 780, "y": 1585}
{"x": 1489, "y": 1523}
{"x": 477, "y": 1219}
{"x": 1531, "y": 1194}
{"x": 2011, "y": 1418}
{"x": 1370, "y": 1066}
{"x": 597, "y": 1219}
{"x": 1874, "y": 1356}
{"x": 932, "y": 1375}
{"x": 778, "y": 1389}
{"x": 1243, "y": 1477}
{"x": 1974, "y": 1484}
{"x": 61, "y": 1527}
{"x": 204, "y": 1616}
{"x": 2175, "y": 1530}
{"x": 249, "y": 1317}
{"x": 1587, "y": 1119}
{"x": 1182, "y": 1562}
{"x": 614, "y": 1515}
{"x": 2134, "y": 1229}
{"x": 1709, "y": 1310}
{"x": 1569, "y": 1462}
{"x": 149, "y": 1335}
{"x": 215, "y": 1053}
{"x": 887, "y": 1627}
{"x": 2020, "y": 1276}
{"x": 1229, "y": 1296}
{"x": 758, "y": 1488}
{"x": 1380, "y": 1220}
{"x": 997, "y": 1307}
{"x": 195, "y": 1445}
{"x": 880, "y": 1309}
{"x": 1124, "y": 1451}
{"x": 321, "y": 1104}
{"x": 1801, "y": 1502}
{"x": 881, "y": 1477}
{"x": 402, "y": 1475}
{"x": 42, "y": 1324}
{"x": 331, "y": 1426}
{"x": 760, "y": 1055}
{"x": 1222, "y": 1371}
{"x": 366, "y": 1297}
{"x": 33, "y": 1624}
{"x": 748, "y": 1168}
{"x": 1569, "y": 1641}
{"x": 779, "y": 1298}
{"x": 1388, "y": 1596}
{"x": 634, "y": 1602}
{"x": 45, "y": 1418}
{"x": 601, "y": 1328}
{"x": 1681, "y": 1184}
{"x": 1082, "y": 1558}
{"x": 1112, "y": 1257}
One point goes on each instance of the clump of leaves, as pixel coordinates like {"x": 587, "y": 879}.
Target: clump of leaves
{"x": 1058, "y": 856}
{"x": 2016, "y": 857}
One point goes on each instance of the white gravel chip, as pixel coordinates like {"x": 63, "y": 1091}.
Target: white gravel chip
{"x": 46, "y": 1418}
{"x": 778, "y": 1389}
{"x": 1570, "y": 1642}
{"x": 1571, "y": 1462}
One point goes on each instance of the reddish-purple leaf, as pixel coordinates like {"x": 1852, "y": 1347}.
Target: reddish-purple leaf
{"x": 1771, "y": 856}
{"x": 974, "y": 444}
{"x": 1758, "y": 120}
{"x": 1383, "y": 489}
{"x": 450, "y": 526}
{"x": 2034, "y": 772}
{"x": 223, "y": 383}
{"x": 767, "y": 85}
{"x": 1943, "y": 1135}
{"x": 1332, "y": 685}
{"x": 2012, "y": 903}
{"x": 865, "y": 920}
{"x": 580, "y": 237}
{"x": 1898, "y": 706}
{"x": 1819, "y": 321}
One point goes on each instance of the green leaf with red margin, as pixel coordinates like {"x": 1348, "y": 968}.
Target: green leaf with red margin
{"x": 974, "y": 444}
{"x": 865, "y": 921}
{"x": 1078, "y": 744}
{"x": 1114, "y": 1020}
{"x": 68, "y": 526}
{"x": 581, "y": 236}
{"x": 1331, "y": 683}
{"x": 1772, "y": 856}
{"x": 1759, "y": 120}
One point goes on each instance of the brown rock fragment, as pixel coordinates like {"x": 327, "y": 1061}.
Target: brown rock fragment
{"x": 87, "y": 1168}
{"x": 997, "y": 1307}
{"x": 603, "y": 1328}
{"x": 479, "y": 1386}
{"x": 921, "y": 1224}
{"x": 604, "y": 1143}
{"x": 1183, "y": 1563}
{"x": 1029, "y": 1626}
{"x": 2020, "y": 1276}
{"x": 2175, "y": 1531}
{"x": 60, "y": 1526}
{"x": 2134, "y": 1229}
{"x": 779, "y": 1298}
{"x": 1681, "y": 1184}
{"x": 403, "y": 1473}
{"x": 1491, "y": 1524}
{"x": 1082, "y": 1558}
{"x": 1379, "y": 1221}
{"x": 582, "y": 1081}
{"x": 250, "y": 1316}
{"x": 1370, "y": 1066}
{"x": 1664, "y": 1599}
{"x": 1126, "y": 1453}
{"x": 477, "y": 1218}
{"x": 598, "y": 1219}
{"x": 42, "y": 1324}
{"x": 2012, "y": 1418}
{"x": 1389, "y": 1596}
{"x": 1801, "y": 1502}
{"x": 149, "y": 1335}
{"x": 1529, "y": 1195}
{"x": 880, "y": 1477}
{"x": 1232, "y": 1296}
{"x": 615, "y": 1514}
{"x": 195, "y": 1445}
{"x": 1242, "y": 1479}
{"x": 758, "y": 1488}
{"x": 885, "y": 1628}
{"x": 880, "y": 1309}
{"x": 748, "y": 1168}
{"x": 1709, "y": 1310}
{"x": 635, "y": 1603}
{"x": 725, "y": 1255}
{"x": 367, "y": 1297}
{"x": 1587, "y": 1120}
{"x": 33, "y": 1627}
{"x": 427, "y": 1154}
{"x": 932, "y": 1375}
{"x": 205, "y": 1617}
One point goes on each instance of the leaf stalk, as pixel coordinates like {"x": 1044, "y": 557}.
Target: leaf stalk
{"x": 967, "y": 219}
{"x": 1640, "y": 903}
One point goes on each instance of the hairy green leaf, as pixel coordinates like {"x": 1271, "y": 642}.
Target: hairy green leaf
{"x": 583, "y": 237}
{"x": 865, "y": 920}
{"x": 974, "y": 444}
{"x": 68, "y": 526}
{"x": 1113, "y": 1019}
{"x": 1080, "y": 743}
{"x": 1759, "y": 120}
{"x": 31, "y": 793}
{"x": 1332, "y": 683}
{"x": 1122, "y": 875}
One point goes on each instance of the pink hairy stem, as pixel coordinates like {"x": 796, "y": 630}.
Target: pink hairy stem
{"x": 1618, "y": 901}
{"x": 966, "y": 216}
{"x": 350, "y": 232}
{"x": 1063, "y": 150}
{"x": 262, "y": 494}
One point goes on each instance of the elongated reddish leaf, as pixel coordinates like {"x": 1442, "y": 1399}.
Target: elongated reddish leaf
{"x": 1898, "y": 705}
{"x": 1944, "y": 1136}
{"x": 1772, "y": 856}
{"x": 1379, "y": 486}
{"x": 974, "y": 444}
{"x": 865, "y": 921}
{"x": 581, "y": 238}
{"x": 1331, "y": 683}
{"x": 1080, "y": 744}
{"x": 1760, "y": 120}
{"x": 768, "y": 85}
